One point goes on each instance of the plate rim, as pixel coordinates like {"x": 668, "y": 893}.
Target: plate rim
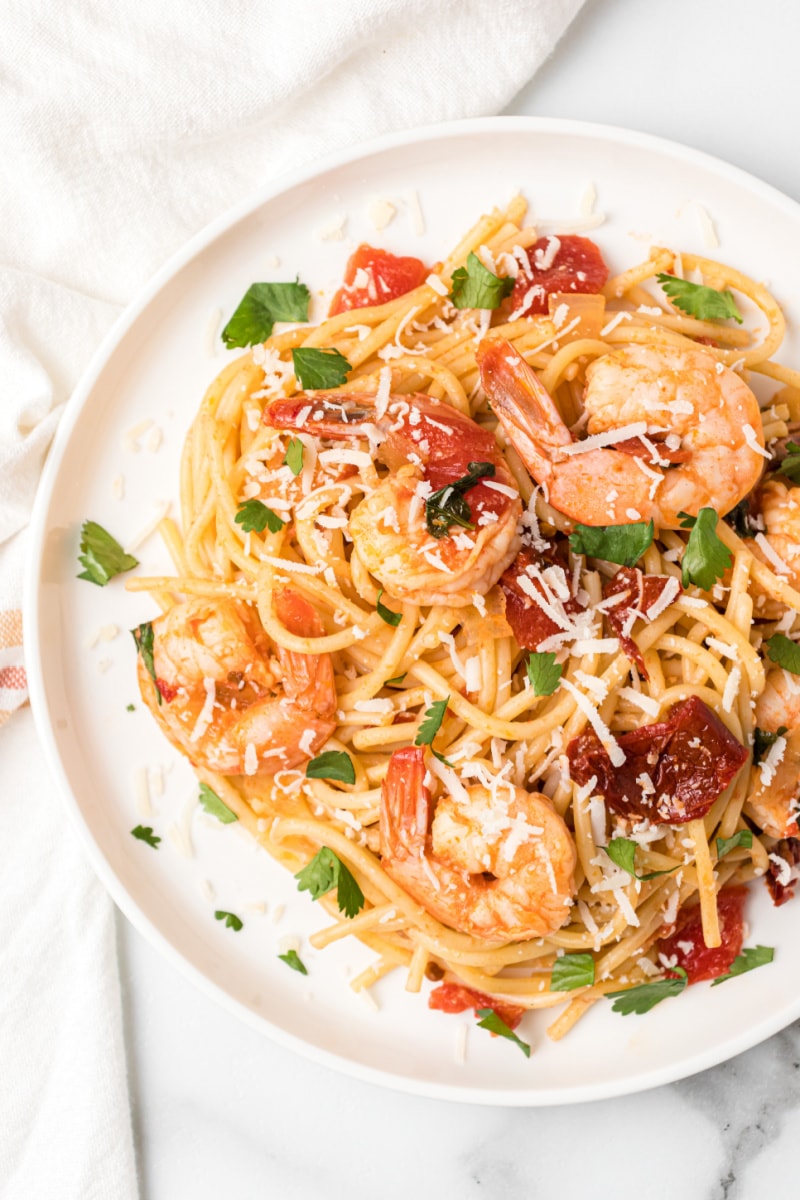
{"x": 519, "y": 1098}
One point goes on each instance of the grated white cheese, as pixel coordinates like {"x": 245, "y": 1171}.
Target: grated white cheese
{"x": 731, "y": 688}
{"x": 609, "y": 438}
{"x": 415, "y": 212}
{"x": 381, "y": 212}
{"x": 503, "y": 488}
{"x": 772, "y": 555}
{"x": 751, "y": 437}
{"x": 334, "y": 230}
{"x": 708, "y": 230}
{"x": 460, "y": 1045}
{"x": 610, "y": 743}
{"x": 772, "y": 760}
{"x": 206, "y": 712}
{"x": 616, "y": 320}
{"x": 149, "y": 528}
{"x": 437, "y": 283}
{"x": 670, "y": 593}
{"x": 118, "y": 487}
{"x": 646, "y": 703}
{"x": 141, "y": 790}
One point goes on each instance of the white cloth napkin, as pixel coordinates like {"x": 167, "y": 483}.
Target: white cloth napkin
{"x": 125, "y": 128}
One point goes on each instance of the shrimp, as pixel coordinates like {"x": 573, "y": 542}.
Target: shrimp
{"x": 230, "y": 701}
{"x": 708, "y": 417}
{"x": 498, "y": 866}
{"x": 775, "y": 781}
{"x": 428, "y": 447}
{"x": 780, "y": 510}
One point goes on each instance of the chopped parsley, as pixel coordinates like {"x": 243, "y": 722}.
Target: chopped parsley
{"x": 739, "y": 519}
{"x": 130, "y": 708}
{"x": 447, "y": 506}
{"x": 742, "y": 837}
{"x": 333, "y": 764}
{"x": 255, "y": 517}
{"x": 320, "y": 368}
{"x": 790, "y": 465}
{"x": 647, "y": 995}
{"x": 145, "y": 834}
{"x": 623, "y": 544}
{"x": 750, "y": 958}
{"x": 143, "y": 637}
{"x": 293, "y": 960}
{"x": 622, "y": 852}
{"x": 763, "y": 739}
{"x": 544, "y": 672}
{"x": 261, "y": 306}
{"x": 231, "y": 920}
{"x": 475, "y": 286}
{"x": 396, "y": 681}
{"x": 431, "y": 726}
{"x": 101, "y": 555}
{"x": 293, "y": 457}
{"x": 572, "y": 971}
{"x": 216, "y": 807}
{"x": 491, "y": 1021}
{"x": 325, "y": 872}
{"x": 706, "y": 558}
{"x": 387, "y": 614}
{"x": 697, "y": 300}
{"x": 783, "y": 651}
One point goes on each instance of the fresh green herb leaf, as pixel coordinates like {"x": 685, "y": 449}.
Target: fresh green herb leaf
{"x": 742, "y": 837}
{"x": 623, "y": 544}
{"x": 495, "y": 1024}
{"x": 294, "y": 455}
{"x": 762, "y": 740}
{"x": 231, "y": 920}
{"x": 325, "y": 872}
{"x": 145, "y": 834}
{"x": 474, "y": 286}
{"x": 622, "y": 852}
{"x": 790, "y": 465}
{"x": 255, "y": 517}
{"x": 216, "y": 807}
{"x": 705, "y": 303}
{"x": 706, "y": 558}
{"x": 783, "y": 651}
{"x": 432, "y": 723}
{"x": 319, "y": 368}
{"x": 396, "y": 681}
{"x": 543, "y": 672}
{"x": 261, "y": 306}
{"x": 386, "y": 614}
{"x": 333, "y": 764}
{"x": 441, "y": 758}
{"x": 750, "y": 958}
{"x": 647, "y": 995}
{"x": 130, "y": 708}
{"x": 447, "y": 506}
{"x": 739, "y": 519}
{"x": 572, "y": 971}
{"x": 293, "y": 960}
{"x": 143, "y": 636}
{"x": 101, "y": 555}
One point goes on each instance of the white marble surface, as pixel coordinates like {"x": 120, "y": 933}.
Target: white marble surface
{"x": 221, "y": 1111}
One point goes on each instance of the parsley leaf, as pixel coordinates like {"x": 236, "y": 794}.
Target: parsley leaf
{"x": 255, "y": 517}
{"x": 623, "y": 544}
{"x": 432, "y": 723}
{"x": 783, "y": 651}
{"x": 622, "y": 852}
{"x": 396, "y": 681}
{"x": 333, "y": 764}
{"x": 130, "y": 708}
{"x": 447, "y": 506}
{"x": 386, "y": 614}
{"x": 647, "y": 995}
{"x": 145, "y": 834}
{"x": 790, "y": 465}
{"x": 319, "y": 368}
{"x": 293, "y": 960}
{"x": 572, "y": 971}
{"x": 706, "y": 558}
{"x": 216, "y": 807}
{"x": 231, "y": 920}
{"x": 294, "y": 455}
{"x": 495, "y": 1024}
{"x": 474, "y": 286}
{"x": 143, "y": 636}
{"x": 325, "y": 872}
{"x": 762, "y": 740}
{"x": 750, "y": 958}
{"x": 544, "y": 672}
{"x": 739, "y": 519}
{"x": 101, "y": 555}
{"x": 261, "y": 306}
{"x": 697, "y": 300}
{"x": 742, "y": 837}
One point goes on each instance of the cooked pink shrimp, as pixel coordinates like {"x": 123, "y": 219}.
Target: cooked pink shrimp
{"x": 779, "y": 504}
{"x": 500, "y": 867}
{"x": 775, "y": 781}
{"x": 231, "y": 701}
{"x": 710, "y": 417}
{"x": 428, "y": 446}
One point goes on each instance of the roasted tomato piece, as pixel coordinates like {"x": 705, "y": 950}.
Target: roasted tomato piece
{"x": 673, "y": 770}
{"x": 558, "y": 264}
{"x": 456, "y": 998}
{"x": 638, "y": 594}
{"x": 375, "y": 276}
{"x": 638, "y": 449}
{"x": 686, "y": 944}
{"x": 529, "y": 622}
{"x": 779, "y": 878}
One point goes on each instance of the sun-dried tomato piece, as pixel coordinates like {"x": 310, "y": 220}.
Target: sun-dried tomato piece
{"x": 787, "y": 849}
{"x": 637, "y": 449}
{"x": 456, "y": 998}
{"x": 374, "y": 276}
{"x": 576, "y": 266}
{"x": 639, "y": 592}
{"x": 530, "y": 624}
{"x": 167, "y": 690}
{"x": 686, "y": 944}
{"x": 687, "y": 760}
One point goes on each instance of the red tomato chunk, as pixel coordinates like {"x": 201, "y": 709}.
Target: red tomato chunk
{"x": 558, "y": 264}
{"x": 638, "y": 593}
{"x": 529, "y": 623}
{"x": 788, "y": 851}
{"x": 690, "y": 758}
{"x": 375, "y": 276}
{"x": 686, "y": 944}
{"x": 456, "y": 998}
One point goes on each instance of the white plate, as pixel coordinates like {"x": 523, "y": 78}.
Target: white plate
{"x": 156, "y": 365}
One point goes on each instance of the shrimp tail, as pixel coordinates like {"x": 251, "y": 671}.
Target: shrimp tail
{"x": 523, "y": 406}
{"x": 307, "y": 678}
{"x": 405, "y": 805}
{"x": 337, "y": 416}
